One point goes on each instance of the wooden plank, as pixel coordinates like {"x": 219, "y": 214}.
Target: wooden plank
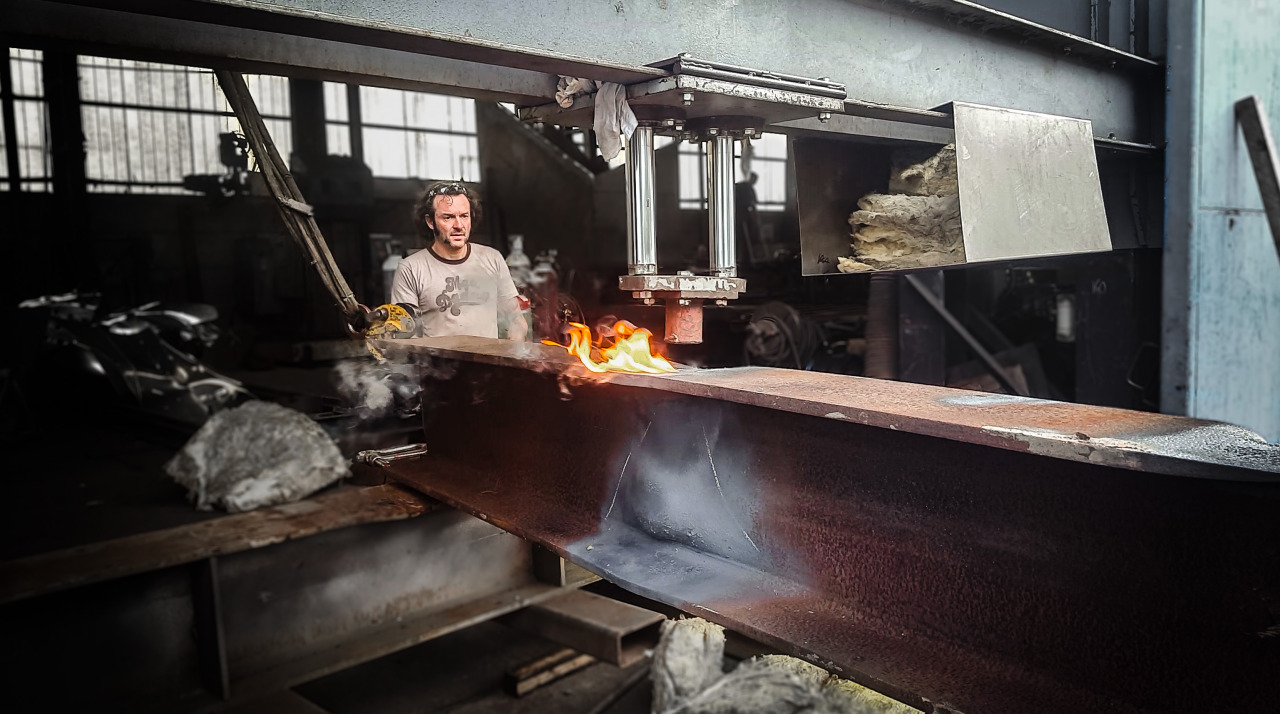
{"x": 107, "y": 560}
{"x": 385, "y": 638}
{"x": 522, "y": 680}
{"x": 1262, "y": 152}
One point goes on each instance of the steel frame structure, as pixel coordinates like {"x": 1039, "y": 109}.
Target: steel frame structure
{"x": 480, "y": 49}
{"x": 235, "y": 608}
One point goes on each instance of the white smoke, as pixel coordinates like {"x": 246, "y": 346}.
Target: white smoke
{"x": 378, "y": 389}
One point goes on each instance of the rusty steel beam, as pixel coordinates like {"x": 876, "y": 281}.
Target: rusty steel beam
{"x": 956, "y": 550}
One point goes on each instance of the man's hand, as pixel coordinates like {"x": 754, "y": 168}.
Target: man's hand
{"x": 384, "y": 321}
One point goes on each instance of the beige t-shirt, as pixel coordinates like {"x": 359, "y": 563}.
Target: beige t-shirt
{"x": 456, "y": 297}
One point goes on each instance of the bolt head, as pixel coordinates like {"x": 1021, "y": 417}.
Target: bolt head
{"x": 687, "y": 98}
{"x": 749, "y": 132}
{"x": 649, "y": 301}
{"x": 722, "y": 302}
{"x": 824, "y": 117}
{"x": 684, "y": 272}
{"x": 712, "y": 132}
{"x": 684, "y": 302}
{"x": 668, "y": 122}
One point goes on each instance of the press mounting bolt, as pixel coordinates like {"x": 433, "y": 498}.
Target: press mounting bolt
{"x": 824, "y": 117}
{"x": 684, "y": 302}
{"x": 687, "y": 98}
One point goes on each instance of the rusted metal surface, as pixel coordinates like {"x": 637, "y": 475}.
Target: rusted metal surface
{"x": 925, "y": 542}
{"x": 684, "y": 321}
{"x": 105, "y": 560}
{"x": 609, "y": 630}
{"x": 1157, "y": 443}
{"x": 687, "y": 286}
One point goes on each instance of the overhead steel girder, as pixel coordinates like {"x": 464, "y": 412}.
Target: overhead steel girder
{"x": 112, "y": 33}
{"x": 957, "y": 550}
{"x": 906, "y": 53}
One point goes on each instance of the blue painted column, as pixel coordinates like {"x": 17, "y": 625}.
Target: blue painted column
{"x": 1221, "y": 332}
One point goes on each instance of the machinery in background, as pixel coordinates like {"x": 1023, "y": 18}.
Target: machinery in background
{"x": 143, "y": 358}
{"x": 233, "y": 153}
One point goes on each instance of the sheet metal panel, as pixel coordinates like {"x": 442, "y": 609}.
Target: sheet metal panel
{"x": 1028, "y": 185}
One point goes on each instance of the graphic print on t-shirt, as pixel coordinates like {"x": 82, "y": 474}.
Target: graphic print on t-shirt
{"x": 458, "y": 292}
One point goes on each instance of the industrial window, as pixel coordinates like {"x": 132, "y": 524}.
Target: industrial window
{"x": 768, "y": 161}
{"x": 405, "y": 134}
{"x": 30, "y": 140}
{"x": 147, "y": 125}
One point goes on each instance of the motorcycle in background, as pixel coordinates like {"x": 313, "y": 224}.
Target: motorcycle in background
{"x": 141, "y": 357}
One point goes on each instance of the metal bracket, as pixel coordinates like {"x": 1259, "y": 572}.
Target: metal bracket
{"x": 384, "y": 457}
{"x": 683, "y": 286}
{"x": 303, "y": 208}
{"x": 1262, "y": 152}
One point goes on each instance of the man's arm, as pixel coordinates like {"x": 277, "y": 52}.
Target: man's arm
{"x": 517, "y": 328}
{"x": 509, "y": 305}
{"x": 387, "y": 319}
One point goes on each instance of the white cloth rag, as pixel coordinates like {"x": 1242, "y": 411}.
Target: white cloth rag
{"x": 569, "y": 87}
{"x": 614, "y": 119}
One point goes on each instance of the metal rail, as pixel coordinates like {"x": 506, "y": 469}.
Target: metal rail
{"x": 294, "y": 211}
{"x": 901, "y": 535}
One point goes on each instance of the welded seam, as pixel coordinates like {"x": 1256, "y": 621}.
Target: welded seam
{"x": 716, "y": 475}
{"x": 622, "y": 473}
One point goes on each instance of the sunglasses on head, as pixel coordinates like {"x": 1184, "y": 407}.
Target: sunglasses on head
{"x": 451, "y": 188}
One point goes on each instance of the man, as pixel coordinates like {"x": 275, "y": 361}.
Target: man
{"x": 454, "y": 287}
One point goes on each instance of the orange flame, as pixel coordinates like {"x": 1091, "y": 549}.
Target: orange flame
{"x": 629, "y": 353}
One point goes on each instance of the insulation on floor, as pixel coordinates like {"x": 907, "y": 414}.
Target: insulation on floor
{"x": 688, "y": 679}
{"x": 258, "y": 454}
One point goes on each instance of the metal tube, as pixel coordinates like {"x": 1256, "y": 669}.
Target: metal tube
{"x": 642, "y": 244}
{"x": 720, "y": 206}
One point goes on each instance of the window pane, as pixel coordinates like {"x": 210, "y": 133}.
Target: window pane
{"x": 337, "y": 137}
{"x": 382, "y": 106}
{"x": 770, "y": 146}
{"x": 32, "y": 138}
{"x": 385, "y": 152}
{"x": 426, "y": 111}
{"x": 26, "y": 66}
{"x": 172, "y": 129}
{"x": 335, "y": 102}
{"x": 771, "y": 189}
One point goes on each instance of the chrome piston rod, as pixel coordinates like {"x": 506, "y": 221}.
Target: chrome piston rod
{"x": 720, "y": 206}
{"x": 642, "y": 245}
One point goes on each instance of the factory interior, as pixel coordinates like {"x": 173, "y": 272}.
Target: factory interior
{"x": 839, "y": 356}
